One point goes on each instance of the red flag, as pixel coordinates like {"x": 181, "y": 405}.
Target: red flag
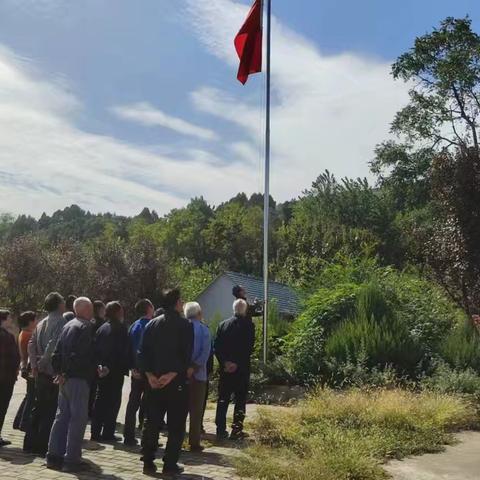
{"x": 248, "y": 43}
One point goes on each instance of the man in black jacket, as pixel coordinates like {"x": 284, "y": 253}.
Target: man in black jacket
{"x": 164, "y": 358}
{"x": 233, "y": 348}
{"x": 111, "y": 357}
{"x": 74, "y": 364}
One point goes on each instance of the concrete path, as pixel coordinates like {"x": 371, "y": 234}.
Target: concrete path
{"x": 457, "y": 462}
{"x": 115, "y": 462}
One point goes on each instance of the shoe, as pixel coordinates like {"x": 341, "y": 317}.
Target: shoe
{"x": 222, "y": 435}
{"x": 4, "y": 443}
{"x": 112, "y": 439}
{"x": 54, "y": 463}
{"x": 130, "y": 442}
{"x": 149, "y": 468}
{"x": 95, "y": 438}
{"x": 172, "y": 469}
{"x": 238, "y": 436}
{"x": 69, "y": 467}
{"x": 196, "y": 448}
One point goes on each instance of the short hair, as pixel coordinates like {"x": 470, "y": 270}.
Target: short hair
{"x": 26, "y": 318}
{"x": 240, "y": 306}
{"x": 52, "y": 301}
{"x": 236, "y": 291}
{"x": 80, "y": 302}
{"x": 69, "y": 303}
{"x": 97, "y": 306}
{"x": 191, "y": 309}
{"x": 170, "y": 297}
{"x": 113, "y": 309}
{"x": 4, "y": 315}
{"x": 142, "y": 306}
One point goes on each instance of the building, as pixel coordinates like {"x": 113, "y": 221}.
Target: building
{"x": 216, "y": 300}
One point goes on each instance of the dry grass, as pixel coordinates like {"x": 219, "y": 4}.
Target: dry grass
{"x": 347, "y": 436}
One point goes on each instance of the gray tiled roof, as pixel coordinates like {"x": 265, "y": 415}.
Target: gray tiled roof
{"x": 286, "y": 297}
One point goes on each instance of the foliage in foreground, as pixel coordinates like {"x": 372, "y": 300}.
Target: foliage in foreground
{"x": 339, "y": 436}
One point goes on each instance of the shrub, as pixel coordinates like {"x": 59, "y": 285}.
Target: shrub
{"x": 448, "y": 380}
{"x": 374, "y": 336}
{"x": 402, "y": 324}
{"x": 305, "y": 345}
{"x": 461, "y": 349}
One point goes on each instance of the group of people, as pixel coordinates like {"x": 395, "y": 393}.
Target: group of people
{"x": 75, "y": 361}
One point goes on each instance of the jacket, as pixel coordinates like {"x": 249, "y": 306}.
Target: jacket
{"x": 74, "y": 355}
{"x": 135, "y": 334}
{"x": 9, "y": 357}
{"x": 234, "y": 342}
{"x": 111, "y": 347}
{"x": 43, "y": 342}
{"x": 166, "y": 345}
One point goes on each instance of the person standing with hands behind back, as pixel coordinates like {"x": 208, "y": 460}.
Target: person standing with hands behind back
{"x": 233, "y": 348}
{"x": 144, "y": 310}
{"x": 111, "y": 349}
{"x": 164, "y": 357}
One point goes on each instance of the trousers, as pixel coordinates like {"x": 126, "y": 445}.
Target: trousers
{"x": 174, "y": 400}
{"x": 70, "y": 422}
{"x": 229, "y": 384}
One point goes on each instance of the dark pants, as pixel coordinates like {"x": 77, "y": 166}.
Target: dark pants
{"x": 107, "y": 405}
{"x": 174, "y": 400}
{"x": 92, "y": 397}
{"x": 24, "y": 413}
{"x": 229, "y": 384}
{"x": 43, "y": 415}
{"x": 134, "y": 405}
{"x": 6, "y": 392}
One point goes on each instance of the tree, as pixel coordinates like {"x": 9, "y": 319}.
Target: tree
{"x": 454, "y": 248}
{"x": 437, "y": 168}
{"x": 444, "y": 68}
{"x": 24, "y": 269}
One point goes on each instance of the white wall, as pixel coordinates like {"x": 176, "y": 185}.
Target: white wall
{"x": 217, "y": 299}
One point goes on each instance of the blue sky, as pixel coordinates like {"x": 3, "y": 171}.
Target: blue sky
{"x": 116, "y": 105}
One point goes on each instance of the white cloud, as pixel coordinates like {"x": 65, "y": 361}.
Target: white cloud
{"x": 327, "y": 112}
{"x": 145, "y": 114}
{"x": 47, "y": 162}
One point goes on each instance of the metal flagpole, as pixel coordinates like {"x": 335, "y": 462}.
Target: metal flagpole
{"x": 266, "y": 200}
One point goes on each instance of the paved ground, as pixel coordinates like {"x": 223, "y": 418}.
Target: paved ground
{"x": 113, "y": 462}
{"x": 458, "y": 462}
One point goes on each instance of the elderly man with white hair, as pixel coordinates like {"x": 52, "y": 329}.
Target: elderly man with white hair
{"x": 74, "y": 364}
{"x": 197, "y": 383}
{"x": 234, "y": 344}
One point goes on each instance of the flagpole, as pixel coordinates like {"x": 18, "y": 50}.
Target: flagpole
{"x": 266, "y": 200}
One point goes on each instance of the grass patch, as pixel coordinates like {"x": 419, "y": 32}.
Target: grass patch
{"x": 348, "y": 435}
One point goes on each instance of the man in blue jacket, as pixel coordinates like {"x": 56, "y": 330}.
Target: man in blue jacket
{"x": 144, "y": 310}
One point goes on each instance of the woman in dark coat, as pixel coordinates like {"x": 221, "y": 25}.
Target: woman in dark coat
{"x": 111, "y": 355}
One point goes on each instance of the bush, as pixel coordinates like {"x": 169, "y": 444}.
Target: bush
{"x": 337, "y": 436}
{"x": 374, "y": 336}
{"x": 448, "y": 380}
{"x": 401, "y": 325}
{"x": 461, "y": 349}
{"x": 305, "y": 345}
